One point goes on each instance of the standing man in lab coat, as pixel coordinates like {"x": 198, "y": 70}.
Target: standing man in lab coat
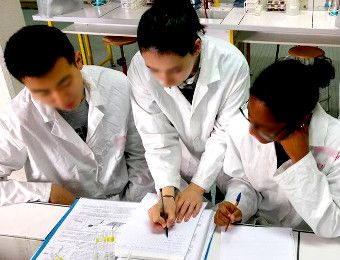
{"x": 284, "y": 153}
{"x": 185, "y": 87}
{"x": 71, "y": 127}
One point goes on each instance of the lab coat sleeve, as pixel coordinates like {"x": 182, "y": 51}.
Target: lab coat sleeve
{"x": 314, "y": 195}
{"x": 13, "y": 155}
{"x": 239, "y": 183}
{"x": 212, "y": 159}
{"x": 250, "y": 198}
{"x": 160, "y": 138}
{"x": 140, "y": 179}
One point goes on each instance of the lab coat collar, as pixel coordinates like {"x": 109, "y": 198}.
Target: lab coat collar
{"x": 95, "y": 100}
{"x": 92, "y": 96}
{"x": 92, "y": 93}
{"x": 208, "y": 59}
{"x": 208, "y": 73}
{"x": 47, "y": 113}
{"x": 61, "y": 128}
{"x": 318, "y": 127}
{"x": 207, "y": 77}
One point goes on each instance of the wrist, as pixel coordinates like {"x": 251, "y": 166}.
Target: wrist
{"x": 197, "y": 188}
{"x": 168, "y": 191}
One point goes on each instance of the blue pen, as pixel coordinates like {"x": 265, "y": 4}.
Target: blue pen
{"x": 238, "y": 199}
{"x": 236, "y": 204}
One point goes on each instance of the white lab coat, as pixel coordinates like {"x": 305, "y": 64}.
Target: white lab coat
{"x": 183, "y": 140}
{"x": 110, "y": 164}
{"x": 301, "y": 195}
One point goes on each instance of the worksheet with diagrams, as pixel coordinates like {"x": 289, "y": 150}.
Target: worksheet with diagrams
{"x": 89, "y": 231}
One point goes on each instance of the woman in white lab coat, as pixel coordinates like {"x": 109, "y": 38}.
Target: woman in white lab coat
{"x": 285, "y": 160}
{"x": 185, "y": 87}
{"x": 102, "y": 158}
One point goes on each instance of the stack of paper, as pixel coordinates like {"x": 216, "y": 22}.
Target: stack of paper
{"x": 139, "y": 240}
{"x": 257, "y": 243}
{"x": 94, "y": 229}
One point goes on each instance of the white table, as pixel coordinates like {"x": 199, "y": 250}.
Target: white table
{"x": 309, "y": 27}
{"x": 24, "y": 226}
{"x": 308, "y": 246}
{"x": 113, "y": 20}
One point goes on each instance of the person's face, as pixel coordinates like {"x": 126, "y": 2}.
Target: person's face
{"x": 62, "y": 87}
{"x": 262, "y": 124}
{"x": 171, "y": 69}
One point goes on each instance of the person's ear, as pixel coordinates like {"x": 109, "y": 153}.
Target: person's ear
{"x": 306, "y": 121}
{"x": 197, "y": 47}
{"x": 78, "y": 60}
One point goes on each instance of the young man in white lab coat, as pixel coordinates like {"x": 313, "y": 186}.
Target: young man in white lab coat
{"x": 286, "y": 160}
{"x": 71, "y": 127}
{"x": 185, "y": 87}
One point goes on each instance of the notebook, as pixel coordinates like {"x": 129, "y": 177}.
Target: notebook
{"x": 257, "y": 243}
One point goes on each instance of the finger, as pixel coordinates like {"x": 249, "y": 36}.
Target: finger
{"x": 179, "y": 204}
{"x": 217, "y": 220}
{"x": 157, "y": 227}
{"x": 221, "y": 219}
{"x": 223, "y": 208}
{"x": 189, "y": 212}
{"x": 177, "y": 197}
{"x": 236, "y": 216}
{"x": 160, "y": 221}
{"x": 229, "y": 209}
{"x": 227, "y": 224}
{"x": 182, "y": 211}
{"x": 197, "y": 209}
{"x": 155, "y": 216}
{"x": 171, "y": 217}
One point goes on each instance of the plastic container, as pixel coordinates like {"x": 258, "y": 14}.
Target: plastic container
{"x": 293, "y": 7}
{"x": 50, "y": 8}
{"x": 334, "y": 9}
{"x": 132, "y": 4}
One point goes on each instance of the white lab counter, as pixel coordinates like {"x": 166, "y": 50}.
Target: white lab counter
{"x": 24, "y": 226}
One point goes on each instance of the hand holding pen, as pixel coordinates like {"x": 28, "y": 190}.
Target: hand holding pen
{"x": 228, "y": 213}
{"x": 163, "y": 214}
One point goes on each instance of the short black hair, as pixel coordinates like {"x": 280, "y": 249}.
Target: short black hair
{"x": 169, "y": 26}
{"x": 290, "y": 89}
{"x": 33, "y": 51}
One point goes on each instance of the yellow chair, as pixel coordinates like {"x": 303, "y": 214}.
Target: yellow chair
{"x": 118, "y": 41}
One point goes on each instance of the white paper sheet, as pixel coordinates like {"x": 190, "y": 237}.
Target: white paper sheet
{"x": 138, "y": 240}
{"x": 29, "y": 220}
{"x": 257, "y": 243}
{"x": 201, "y": 237}
{"x": 89, "y": 230}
